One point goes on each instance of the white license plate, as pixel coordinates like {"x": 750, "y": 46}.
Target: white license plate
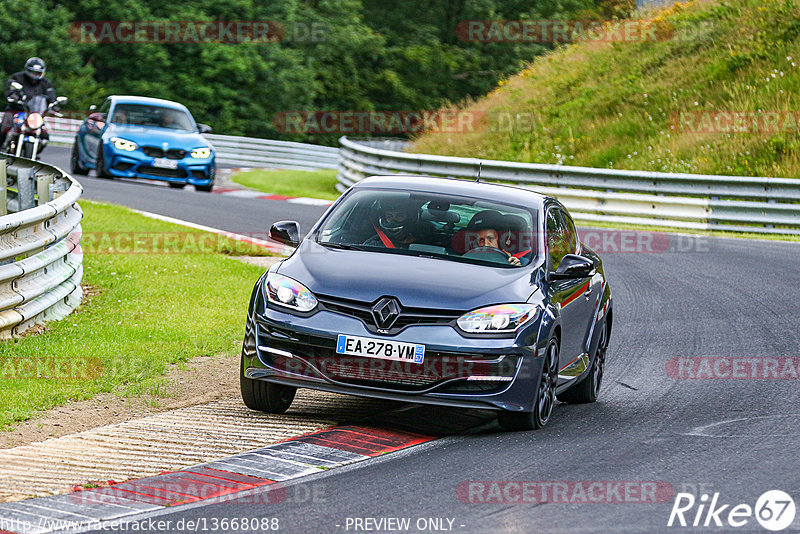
{"x": 165, "y": 163}
{"x": 380, "y": 348}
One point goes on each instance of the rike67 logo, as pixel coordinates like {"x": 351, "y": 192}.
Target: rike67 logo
{"x": 774, "y": 510}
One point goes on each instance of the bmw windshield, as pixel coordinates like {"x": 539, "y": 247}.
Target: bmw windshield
{"x": 433, "y": 225}
{"x": 149, "y": 115}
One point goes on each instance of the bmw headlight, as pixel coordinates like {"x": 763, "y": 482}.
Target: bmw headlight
{"x": 201, "y": 153}
{"x": 498, "y": 319}
{"x": 124, "y": 144}
{"x": 285, "y": 291}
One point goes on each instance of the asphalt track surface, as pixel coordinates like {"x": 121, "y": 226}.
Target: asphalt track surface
{"x": 702, "y": 298}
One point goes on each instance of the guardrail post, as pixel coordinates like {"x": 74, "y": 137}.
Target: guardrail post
{"x": 3, "y": 188}
{"x": 43, "y": 188}
{"x": 25, "y": 193}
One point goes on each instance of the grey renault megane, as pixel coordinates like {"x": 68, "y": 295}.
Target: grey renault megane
{"x": 436, "y": 291}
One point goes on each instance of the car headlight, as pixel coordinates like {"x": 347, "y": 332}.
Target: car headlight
{"x": 201, "y": 153}
{"x": 124, "y": 144}
{"x": 498, "y": 319}
{"x": 285, "y": 291}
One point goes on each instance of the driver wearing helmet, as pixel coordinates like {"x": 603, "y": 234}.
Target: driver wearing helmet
{"x": 396, "y": 223}
{"x": 33, "y": 84}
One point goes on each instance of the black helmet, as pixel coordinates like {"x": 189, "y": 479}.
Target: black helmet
{"x": 35, "y": 68}
{"x": 397, "y": 217}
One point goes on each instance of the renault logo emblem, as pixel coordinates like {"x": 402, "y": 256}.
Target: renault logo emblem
{"x": 385, "y": 312}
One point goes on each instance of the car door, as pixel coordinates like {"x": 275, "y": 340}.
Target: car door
{"x": 569, "y": 295}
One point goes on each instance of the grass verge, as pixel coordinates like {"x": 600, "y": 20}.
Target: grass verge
{"x": 313, "y": 184}
{"x": 154, "y": 306}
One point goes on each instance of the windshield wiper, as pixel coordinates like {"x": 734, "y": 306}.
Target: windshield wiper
{"x": 342, "y": 246}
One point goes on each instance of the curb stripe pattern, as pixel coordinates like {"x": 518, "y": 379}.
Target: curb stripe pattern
{"x": 249, "y": 193}
{"x": 218, "y": 480}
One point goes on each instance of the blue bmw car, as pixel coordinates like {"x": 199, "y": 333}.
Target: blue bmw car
{"x": 139, "y": 137}
{"x": 437, "y": 291}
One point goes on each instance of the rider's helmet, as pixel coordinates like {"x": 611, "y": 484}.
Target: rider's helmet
{"x": 35, "y": 69}
{"x": 397, "y": 216}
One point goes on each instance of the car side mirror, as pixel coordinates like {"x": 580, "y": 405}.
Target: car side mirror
{"x": 16, "y": 86}
{"x": 573, "y": 266}
{"x": 92, "y": 108}
{"x": 286, "y": 232}
{"x": 62, "y": 99}
{"x": 203, "y": 128}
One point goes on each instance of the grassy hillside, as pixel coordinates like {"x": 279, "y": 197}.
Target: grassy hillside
{"x": 619, "y": 104}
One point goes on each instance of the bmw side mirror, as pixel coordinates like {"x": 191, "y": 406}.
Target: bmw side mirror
{"x": 203, "y": 128}
{"x": 573, "y": 266}
{"x": 286, "y": 232}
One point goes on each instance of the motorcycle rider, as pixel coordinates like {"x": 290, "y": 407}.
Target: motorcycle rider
{"x": 33, "y": 84}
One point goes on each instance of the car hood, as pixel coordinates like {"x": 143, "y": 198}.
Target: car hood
{"x": 155, "y": 136}
{"x": 416, "y": 281}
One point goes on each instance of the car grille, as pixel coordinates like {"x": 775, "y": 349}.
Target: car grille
{"x": 439, "y": 367}
{"x": 165, "y": 173}
{"x": 407, "y": 317}
{"x": 156, "y": 152}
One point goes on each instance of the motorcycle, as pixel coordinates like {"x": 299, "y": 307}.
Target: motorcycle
{"x": 28, "y": 135}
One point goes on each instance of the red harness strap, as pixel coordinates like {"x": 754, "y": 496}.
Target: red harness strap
{"x": 520, "y": 254}
{"x": 384, "y": 238}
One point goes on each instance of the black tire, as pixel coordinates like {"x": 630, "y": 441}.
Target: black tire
{"x": 264, "y": 396}
{"x": 75, "y": 166}
{"x": 543, "y": 402}
{"x": 588, "y": 389}
{"x": 100, "y": 164}
{"x": 204, "y": 188}
{"x": 27, "y": 150}
{"x": 176, "y": 185}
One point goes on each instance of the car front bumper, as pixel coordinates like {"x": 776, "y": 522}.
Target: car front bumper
{"x": 136, "y": 164}
{"x": 491, "y": 373}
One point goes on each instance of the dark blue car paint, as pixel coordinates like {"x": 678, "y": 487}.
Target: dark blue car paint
{"x": 433, "y": 283}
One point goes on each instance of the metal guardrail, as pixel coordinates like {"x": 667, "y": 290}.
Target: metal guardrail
{"x": 692, "y": 201}
{"x": 235, "y": 150}
{"x": 41, "y": 262}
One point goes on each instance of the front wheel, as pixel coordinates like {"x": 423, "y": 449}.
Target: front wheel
{"x": 544, "y": 400}
{"x": 27, "y": 150}
{"x": 176, "y": 185}
{"x": 204, "y": 188}
{"x": 588, "y": 389}
{"x": 264, "y": 396}
{"x": 100, "y": 166}
{"x": 75, "y": 165}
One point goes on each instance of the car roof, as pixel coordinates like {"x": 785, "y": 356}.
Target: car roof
{"x": 128, "y": 99}
{"x": 483, "y": 190}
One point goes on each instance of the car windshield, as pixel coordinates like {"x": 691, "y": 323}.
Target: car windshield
{"x": 146, "y": 115}
{"x": 436, "y": 225}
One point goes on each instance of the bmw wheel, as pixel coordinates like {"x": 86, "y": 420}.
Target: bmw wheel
{"x": 264, "y": 396}
{"x": 588, "y": 388}
{"x": 100, "y": 166}
{"x": 543, "y": 402}
{"x": 75, "y": 165}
